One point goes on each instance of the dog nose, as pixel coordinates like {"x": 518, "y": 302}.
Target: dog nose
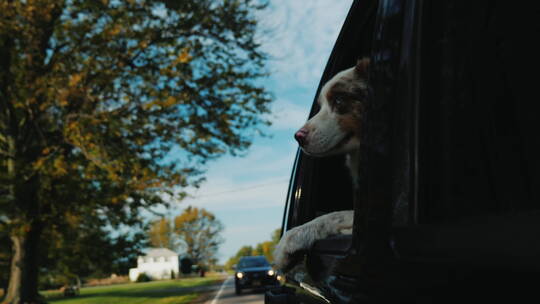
{"x": 301, "y": 136}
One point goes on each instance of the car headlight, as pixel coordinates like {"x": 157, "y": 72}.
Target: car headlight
{"x": 239, "y": 275}
{"x": 271, "y": 272}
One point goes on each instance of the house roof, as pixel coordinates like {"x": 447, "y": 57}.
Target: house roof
{"x": 160, "y": 252}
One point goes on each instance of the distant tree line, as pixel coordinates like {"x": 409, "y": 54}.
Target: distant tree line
{"x": 265, "y": 248}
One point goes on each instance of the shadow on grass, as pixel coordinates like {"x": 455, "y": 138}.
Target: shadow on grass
{"x": 244, "y": 297}
{"x": 152, "y": 290}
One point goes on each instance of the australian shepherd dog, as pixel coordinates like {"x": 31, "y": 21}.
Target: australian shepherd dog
{"x": 333, "y": 130}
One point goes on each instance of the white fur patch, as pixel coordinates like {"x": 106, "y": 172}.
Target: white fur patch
{"x": 324, "y": 131}
{"x": 303, "y": 237}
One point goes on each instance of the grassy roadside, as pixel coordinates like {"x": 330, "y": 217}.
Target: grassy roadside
{"x": 180, "y": 291}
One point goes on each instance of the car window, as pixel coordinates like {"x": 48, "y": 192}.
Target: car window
{"x": 478, "y": 150}
{"x": 323, "y": 185}
{"x": 247, "y": 263}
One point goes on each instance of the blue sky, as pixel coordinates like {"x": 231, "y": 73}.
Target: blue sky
{"x": 248, "y": 194}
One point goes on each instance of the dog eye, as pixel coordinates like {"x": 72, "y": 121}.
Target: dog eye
{"x": 341, "y": 104}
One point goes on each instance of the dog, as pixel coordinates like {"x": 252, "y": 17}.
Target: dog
{"x": 333, "y": 130}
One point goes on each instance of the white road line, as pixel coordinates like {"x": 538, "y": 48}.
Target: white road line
{"x": 214, "y": 301}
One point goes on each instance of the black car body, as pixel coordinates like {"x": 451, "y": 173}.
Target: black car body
{"x": 448, "y": 208}
{"x": 253, "y": 272}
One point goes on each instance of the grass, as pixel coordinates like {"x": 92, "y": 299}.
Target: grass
{"x": 159, "y": 292}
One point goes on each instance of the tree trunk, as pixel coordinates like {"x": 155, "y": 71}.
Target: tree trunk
{"x": 26, "y": 226}
{"x": 23, "y": 282}
{"x": 23, "y": 279}
{"x": 29, "y": 290}
{"x": 14, "y": 288}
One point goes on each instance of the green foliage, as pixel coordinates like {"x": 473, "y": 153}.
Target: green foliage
{"x": 276, "y": 236}
{"x": 199, "y": 235}
{"x": 106, "y": 106}
{"x": 186, "y": 265}
{"x": 264, "y": 248}
{"x": 243, "y": 251}
{"x": 161, "y": 234}
{"x": 143, "y": 277}
{"x": 89, "y": 252}
{"x": 196, "y": 233}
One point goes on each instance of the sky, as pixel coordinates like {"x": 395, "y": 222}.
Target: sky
{"x": 247, "y": 194}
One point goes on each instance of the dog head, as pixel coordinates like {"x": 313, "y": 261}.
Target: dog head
{"x": 335, "y": 128}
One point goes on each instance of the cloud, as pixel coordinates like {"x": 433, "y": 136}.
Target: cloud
{"x": 258, "y": 181}
{"x": 243, "y": 196}
{"x": 250, "y": 211}
{"x": 299, "y": 36}
{"x": 248, "y": 194}
{"x": 287, "y": 115}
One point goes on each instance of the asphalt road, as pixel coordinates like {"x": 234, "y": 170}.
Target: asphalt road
{"x": 226, "y": 295}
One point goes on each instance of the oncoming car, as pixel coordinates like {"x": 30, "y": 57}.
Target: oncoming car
{"x": 253, "y": 272}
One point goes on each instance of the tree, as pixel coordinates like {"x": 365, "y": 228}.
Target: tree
{"x": 71, "y": 255}
{"x": 96, "y": 98}
{"x": 243, "y": 251}
{"x": 276, "y": 236}
{"x": 199, "y": 234}
{"x": 161, "y": 234}
{"x": 265, "y": 248}
{"x": 4, "y": 261}
{"x": 186, "y": 265}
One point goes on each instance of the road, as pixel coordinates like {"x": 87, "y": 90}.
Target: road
{"x": 226, "y": 295}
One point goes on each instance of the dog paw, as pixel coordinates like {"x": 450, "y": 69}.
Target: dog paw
{"x": 299, "y": 239}
{"x": 286, "y": 251}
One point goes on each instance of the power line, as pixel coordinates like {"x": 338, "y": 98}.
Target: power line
{"x": 243, "y": 189}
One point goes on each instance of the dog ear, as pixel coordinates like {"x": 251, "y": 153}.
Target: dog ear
{"x": 362, "y": 67}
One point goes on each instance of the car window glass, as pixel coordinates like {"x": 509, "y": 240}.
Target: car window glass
{"x": 246, "y": 263}
{"x": 479, "y": 155}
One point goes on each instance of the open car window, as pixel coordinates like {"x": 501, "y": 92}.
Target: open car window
{"x": 323, "y": 185}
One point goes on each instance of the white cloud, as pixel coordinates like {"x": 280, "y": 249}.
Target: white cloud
{"x": 240, "y": 195}
{"x": 257, "y": 208}
{"x": 287, "y": 115}
{"x": 257, "y": 181}
{"x": 299, "y": 36}
{"x": 252, "y": 188}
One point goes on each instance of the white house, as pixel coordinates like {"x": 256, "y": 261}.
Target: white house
{"x": 157, "y": 263}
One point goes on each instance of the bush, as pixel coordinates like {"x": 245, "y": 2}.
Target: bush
{"x": 107, "y": 281}
{"x": 186, "y": 265}
{"x": 70, "y": 291}
{"x": 143, "y": 277}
